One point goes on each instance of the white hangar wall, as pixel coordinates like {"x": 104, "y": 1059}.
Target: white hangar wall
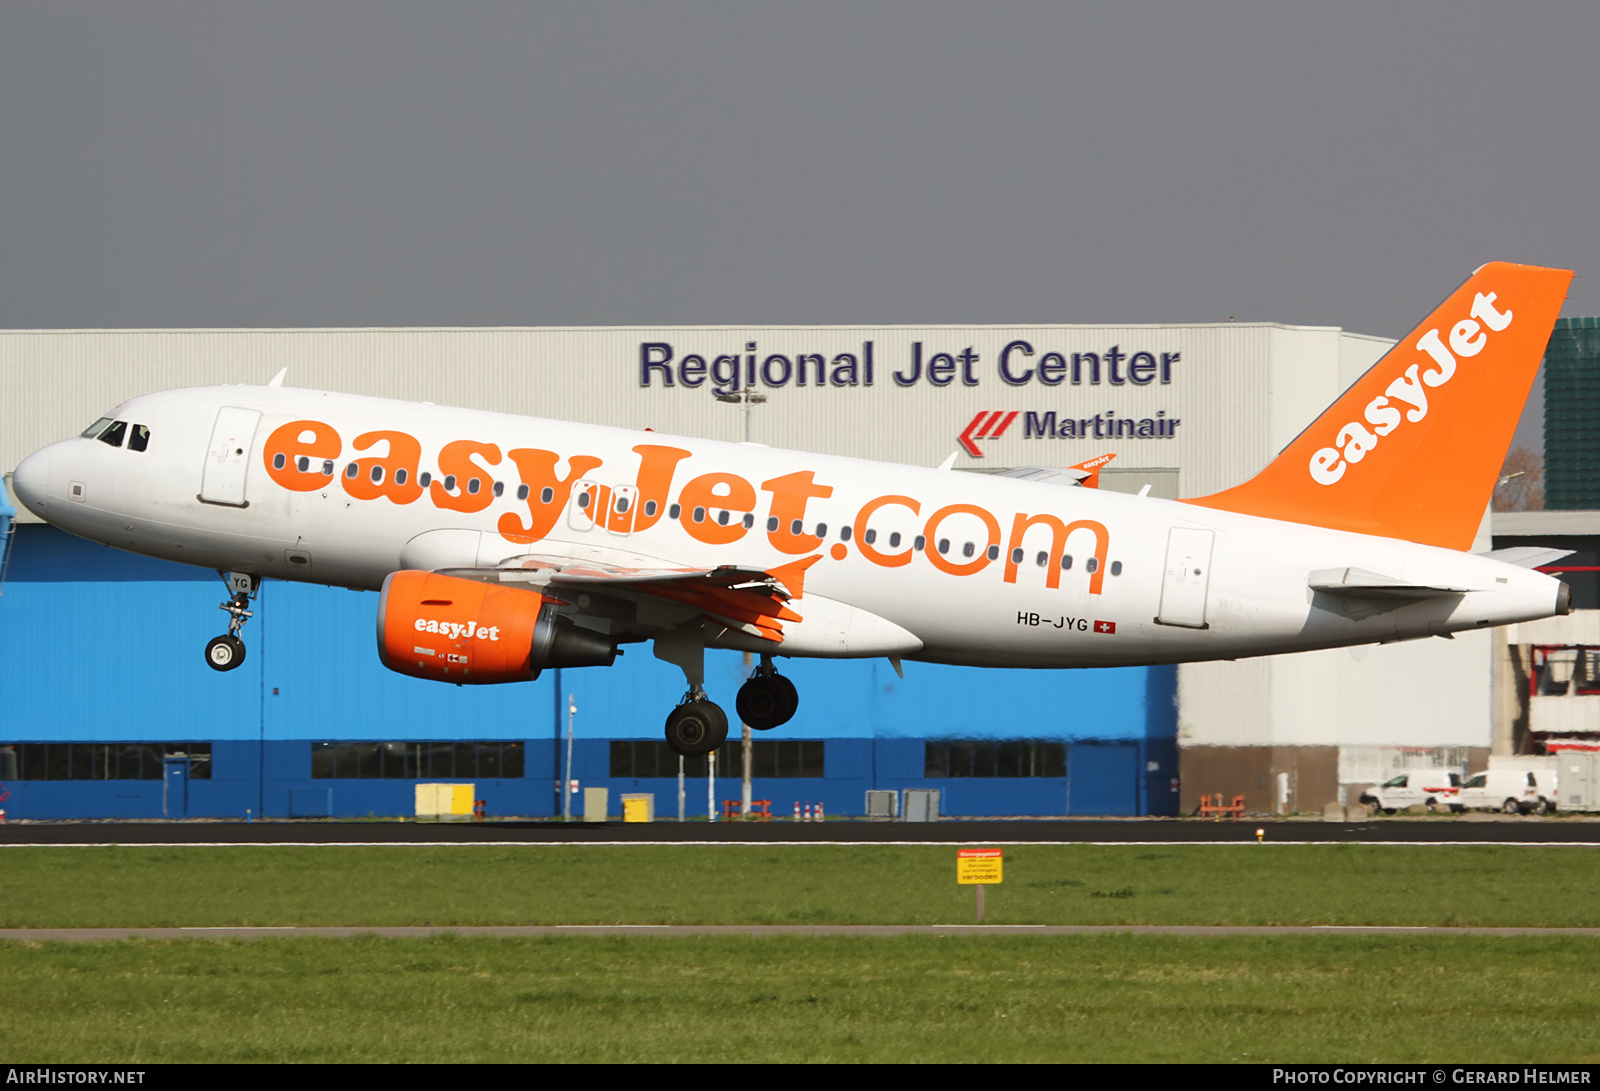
{"x": 1214, "y": 402}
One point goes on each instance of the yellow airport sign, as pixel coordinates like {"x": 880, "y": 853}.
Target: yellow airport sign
{"x": 979, "y": 866}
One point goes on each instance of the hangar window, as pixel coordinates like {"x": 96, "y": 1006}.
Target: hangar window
{"x": 782, "y": 759}
{"x": 101, "y": 761}
{"x": 279, "y": 461}
{"x": 454, "y": 759}
{"x": 994, "y": 758}
{"x": 114, "y": 435}
{"x": 139, "y": 438}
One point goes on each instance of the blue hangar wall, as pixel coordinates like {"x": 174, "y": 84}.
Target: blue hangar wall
{"x": 103, "y": 648}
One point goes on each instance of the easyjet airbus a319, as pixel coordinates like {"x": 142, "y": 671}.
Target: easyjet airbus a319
{"x": 504, "y": 545}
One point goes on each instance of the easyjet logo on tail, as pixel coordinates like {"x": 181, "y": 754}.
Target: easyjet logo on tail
{"x": 1406, "y": 399}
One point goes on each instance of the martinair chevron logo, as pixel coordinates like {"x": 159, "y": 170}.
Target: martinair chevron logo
{"x": 986, "y": 425}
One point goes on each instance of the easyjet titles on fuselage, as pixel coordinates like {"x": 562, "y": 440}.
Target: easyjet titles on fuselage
{"x": 716, "y": 508}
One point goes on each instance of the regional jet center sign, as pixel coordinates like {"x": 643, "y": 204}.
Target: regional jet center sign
{"x": 1018, "y": 364}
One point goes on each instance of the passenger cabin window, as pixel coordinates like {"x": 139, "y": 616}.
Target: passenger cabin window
{"x": 139, "y": 438}
{"x": 114, "y": 435}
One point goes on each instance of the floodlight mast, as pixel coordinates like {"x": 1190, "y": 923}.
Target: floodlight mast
{"x": 747, "y": 398}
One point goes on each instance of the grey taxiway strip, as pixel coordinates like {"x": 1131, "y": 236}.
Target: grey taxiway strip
{"x": 669, "y": 931}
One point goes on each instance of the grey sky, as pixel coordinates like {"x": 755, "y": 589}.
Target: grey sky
{"x": 202, "y": 164}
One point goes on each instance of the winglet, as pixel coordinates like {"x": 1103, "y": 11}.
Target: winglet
{"x": 1412, "y": 450}
{"x": 1092, "y": 467}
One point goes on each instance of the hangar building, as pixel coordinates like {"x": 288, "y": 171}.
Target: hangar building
{"x": 111, "y": 711}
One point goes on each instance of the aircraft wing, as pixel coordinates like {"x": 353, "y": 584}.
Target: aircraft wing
{"x": 751, "y": 600}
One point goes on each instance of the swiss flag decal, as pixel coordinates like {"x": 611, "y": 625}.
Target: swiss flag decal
{"x": 1105, "y": 626}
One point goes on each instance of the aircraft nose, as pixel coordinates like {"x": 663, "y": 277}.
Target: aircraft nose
{"x": 30, "y": 481}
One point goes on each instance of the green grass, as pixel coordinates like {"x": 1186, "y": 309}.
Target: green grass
{"x": 739, "y": 999}
{"x": 1045, "y": 884}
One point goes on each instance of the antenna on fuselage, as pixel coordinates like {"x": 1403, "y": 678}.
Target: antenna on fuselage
{"x": 277, "y": 380}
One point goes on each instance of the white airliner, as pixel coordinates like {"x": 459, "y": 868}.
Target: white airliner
{"x": 505, "y": 544}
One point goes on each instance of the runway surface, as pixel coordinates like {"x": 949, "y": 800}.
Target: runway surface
{"x": 671, "y": 931}
{"x": 1443, "y": 830}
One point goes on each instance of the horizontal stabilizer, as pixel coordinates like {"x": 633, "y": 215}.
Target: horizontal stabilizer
{"x": 1361, "y": 584}
{"x": 1527, "y": 556}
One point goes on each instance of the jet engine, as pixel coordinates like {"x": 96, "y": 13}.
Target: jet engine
{"x": 449, "y": 629}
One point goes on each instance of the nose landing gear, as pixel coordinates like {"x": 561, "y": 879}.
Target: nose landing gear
{"x": 224, "y": 653}
{"x": 768, "y": 699}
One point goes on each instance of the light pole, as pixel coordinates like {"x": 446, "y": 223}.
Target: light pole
{"x": 566, "y": 783}
{"x": 747, "y": 398}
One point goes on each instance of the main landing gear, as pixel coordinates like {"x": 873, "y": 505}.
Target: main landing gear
{"x": 224, "y": 653}
{"x": 697, "y": 726}
{"x": 768, "y": 699}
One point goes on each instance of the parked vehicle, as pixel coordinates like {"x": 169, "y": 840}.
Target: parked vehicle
{"x": 1510, "y": 791}
{"x": 1429, "y": 787}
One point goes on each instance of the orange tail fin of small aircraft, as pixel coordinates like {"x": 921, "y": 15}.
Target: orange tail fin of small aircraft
{"x": 1413, "y": 448}
{"x": 1093, "y": 468}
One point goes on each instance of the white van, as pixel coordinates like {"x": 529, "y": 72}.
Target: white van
{"x": 1429, "y": 787}
{"x": 1511, "y": 791}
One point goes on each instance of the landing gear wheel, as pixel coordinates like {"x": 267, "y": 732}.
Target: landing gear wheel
{"x": 767, "y": 701}
{"x": 696, "y": 727}
{"x": 224, "y": 653}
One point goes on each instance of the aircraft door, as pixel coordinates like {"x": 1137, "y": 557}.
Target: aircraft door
{"x": 1186, "y": 578}
{"x": 619, "y": 516}
{"x": 228, "y": 457}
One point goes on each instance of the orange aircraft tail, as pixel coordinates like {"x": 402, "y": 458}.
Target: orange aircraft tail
{"x": 1412, "y": 450}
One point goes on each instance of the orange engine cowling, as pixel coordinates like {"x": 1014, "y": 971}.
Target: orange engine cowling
{"x": 453, "y": 630}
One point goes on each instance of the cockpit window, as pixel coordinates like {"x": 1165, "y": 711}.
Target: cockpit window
{"x": 139, "y": 438}
{"x": 114, "y": 435}
{"x": 96, "y": 428}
